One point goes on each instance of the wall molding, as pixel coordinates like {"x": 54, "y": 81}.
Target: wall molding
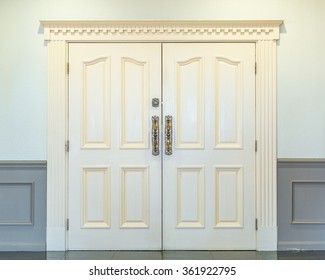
{"x": 301, "y": 162}
{"x": 264, "y": 33}
{"x": 22, "y": 164}
{"x": 15, "y": 184}
{"x": 294, "y": 185}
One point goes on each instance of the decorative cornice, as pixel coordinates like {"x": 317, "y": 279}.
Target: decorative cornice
{"x": 167, "y": 30}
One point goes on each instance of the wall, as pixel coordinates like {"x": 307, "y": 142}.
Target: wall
{"x": 301, "y": 118}
{"x": 301, "y": 98}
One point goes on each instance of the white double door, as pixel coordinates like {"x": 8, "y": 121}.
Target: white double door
{"x": 140, "y": 184}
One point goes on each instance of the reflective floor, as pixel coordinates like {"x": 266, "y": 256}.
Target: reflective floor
{"x": 164, "y": 255}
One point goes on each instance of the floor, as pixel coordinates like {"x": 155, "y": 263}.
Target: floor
{"x": 164, "y": 255}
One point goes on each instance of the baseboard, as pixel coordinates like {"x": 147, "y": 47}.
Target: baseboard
{"x": 55, "y": 238}
{"x": 267, "y": 239}
{"x": 301, "y": 245}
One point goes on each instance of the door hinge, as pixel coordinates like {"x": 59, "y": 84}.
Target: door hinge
{"x": 255, "y": 146}
{"x": 256, "y": 224}
{"x": 67, "y": 146}
{"x": 255, "y": 68}
{"x": 68, "y": 224}
{"x": 68, "y": 68}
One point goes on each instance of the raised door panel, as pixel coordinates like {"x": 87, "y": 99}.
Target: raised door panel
{"x": 189, "y": 113}
{"x": 95, "y": 109}
{"x": 134, "y": 198}
{"x": 228, "y": 106}
{"x": 96, "y": 212}
{"x": 135, "y": 105}
{"x": 229, "y": 200}
{"x": 190, "y": 197}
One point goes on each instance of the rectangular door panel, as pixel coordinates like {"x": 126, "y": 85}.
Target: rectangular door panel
{"x": 95, "y": 131}
{"x": 134, "y": 199}
{"x": 228, "y": 106}
{"x": 135, "y": 104}
{"x": 190, "y": 197}
{"x": 229, "y": 196}
{"x": 189, "y": 113}
{"x": 96, "y": 209}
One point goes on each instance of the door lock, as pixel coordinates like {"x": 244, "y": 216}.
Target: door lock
{"x": 155, "y": 102}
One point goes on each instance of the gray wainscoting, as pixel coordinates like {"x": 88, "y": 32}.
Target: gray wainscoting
{"x": 301, "y": 204}
{"x": 22, "y": 205}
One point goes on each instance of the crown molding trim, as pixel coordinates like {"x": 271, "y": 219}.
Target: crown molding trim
{"x": 150, "y": 30}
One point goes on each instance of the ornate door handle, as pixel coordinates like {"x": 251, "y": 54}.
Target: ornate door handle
{"x": 168, "y": 135}
{"x": 155, "y": 135}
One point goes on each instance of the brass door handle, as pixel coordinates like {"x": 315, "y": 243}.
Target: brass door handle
{"x": 168, "y": 135}
{"x": 155, "y": 135}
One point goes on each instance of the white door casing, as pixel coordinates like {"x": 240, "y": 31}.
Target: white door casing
{"x": 263, "y": 33}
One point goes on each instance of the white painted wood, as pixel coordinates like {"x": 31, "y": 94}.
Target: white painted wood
{"x": 229, "y": 197}
{"x": 191, "y": 94}
{"x": 96, "y": 103}
{"x": 190, "y": 197}
{"x": 229, "y": 192}
{"x": 264, "y": 33}
{"x": 229, "y": 104}
{"x": 135, "y": 210}
{"x": 56, "y": 140}
{"x": 189, "y": 112}
{"x": 114, "y": 190}
{"x": 162, "y": 30}
{"x": 95, "y": 197}
{"x": 266, "y": 156}
{"x": 135, "y": 103}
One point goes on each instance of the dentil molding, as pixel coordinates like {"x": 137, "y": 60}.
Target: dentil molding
{"x": 168, "y": 30}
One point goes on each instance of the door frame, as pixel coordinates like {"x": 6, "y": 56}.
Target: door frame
{"x": 59, "y": 33}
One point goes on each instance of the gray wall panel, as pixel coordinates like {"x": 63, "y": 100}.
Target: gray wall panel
{"x": 301, "y": 204}
{"x": 17, "y": 203}
{"x": 308, "y": 202}
{"x": 23, "y": 206}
